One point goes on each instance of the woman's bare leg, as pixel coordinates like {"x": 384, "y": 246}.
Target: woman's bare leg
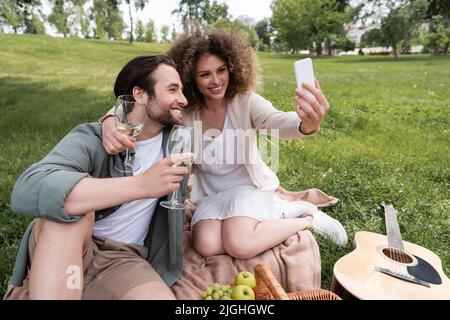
{"x": 245, "y": 237}
{"x": 207, "y": 237}
{"x": 58, "y": 257}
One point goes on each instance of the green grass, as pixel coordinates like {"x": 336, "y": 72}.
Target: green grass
{"x": 386, "y": 137}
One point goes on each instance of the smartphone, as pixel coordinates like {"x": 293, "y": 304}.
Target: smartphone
{"x": 304, "y": 72}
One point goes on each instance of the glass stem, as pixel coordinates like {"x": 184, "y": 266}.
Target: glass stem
{"x": 127, "y": 159}
{"x": 174, "y": 196}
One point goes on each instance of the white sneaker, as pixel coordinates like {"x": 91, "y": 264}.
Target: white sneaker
{"x": 326, "y": 226}
{"x": 297, "y": 209}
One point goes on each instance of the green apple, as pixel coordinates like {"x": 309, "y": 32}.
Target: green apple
{"x": 245, "y": 278}
{"x": 242, "y": 292}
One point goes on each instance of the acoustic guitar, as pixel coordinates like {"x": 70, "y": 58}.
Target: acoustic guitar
{"x": 385, "y": 267}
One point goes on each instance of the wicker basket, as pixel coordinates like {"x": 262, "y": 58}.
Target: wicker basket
{"x": 268, "y": 288}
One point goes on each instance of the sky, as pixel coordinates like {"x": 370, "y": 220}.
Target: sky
{"x": 160, "y": 11}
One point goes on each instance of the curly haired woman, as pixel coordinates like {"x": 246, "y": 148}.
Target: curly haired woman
{"x": 237, "y": 199}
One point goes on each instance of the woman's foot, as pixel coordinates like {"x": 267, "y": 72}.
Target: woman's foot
{"x": 297, "y": 209}
{"x": 326, "y": 226}
{"x": 322, "y": 223}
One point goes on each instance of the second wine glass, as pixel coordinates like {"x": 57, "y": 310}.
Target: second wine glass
{"x": 181, "y": 140}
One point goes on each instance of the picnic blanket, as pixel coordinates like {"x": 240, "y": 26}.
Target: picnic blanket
{"x": 295, "y": 262}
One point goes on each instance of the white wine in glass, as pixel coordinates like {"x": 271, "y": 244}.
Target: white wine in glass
{"x": 129, "y": 119}
{"x": 181, "y": 140}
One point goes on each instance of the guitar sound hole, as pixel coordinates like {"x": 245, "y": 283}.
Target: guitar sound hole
{"x": 397, "y": 255}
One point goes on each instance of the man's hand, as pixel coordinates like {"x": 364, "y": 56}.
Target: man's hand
{"x": 92, "y": 194}
{"x": 311, "y": 108}
{"x": 113, "y": 141}
{"x": 164, "y": 176}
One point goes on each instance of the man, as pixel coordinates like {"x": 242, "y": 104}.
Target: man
{"x": 100, "y": 234}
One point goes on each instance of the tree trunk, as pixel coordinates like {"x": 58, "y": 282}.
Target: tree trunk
{"x": 394, "y": 48}
{"x": 330, "y": 50}
{"x": 319, "y": 49}
{"x": 446, "y": 48}
{"x": 436, "y": 50}
{"x": 131, "y": 22}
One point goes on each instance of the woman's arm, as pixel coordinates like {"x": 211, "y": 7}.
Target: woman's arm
{"x": 305, "y": 120}
{"x": 113, "y": 141}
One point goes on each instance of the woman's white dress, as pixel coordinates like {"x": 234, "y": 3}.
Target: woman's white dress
{"x": 224, "y": 187}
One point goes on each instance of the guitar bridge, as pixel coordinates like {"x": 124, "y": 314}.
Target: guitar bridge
{"x": 403, "y": 276}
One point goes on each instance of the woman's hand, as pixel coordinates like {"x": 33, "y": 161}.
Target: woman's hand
{"x": 311, "y": 107}
{"x": 113, "y": 141}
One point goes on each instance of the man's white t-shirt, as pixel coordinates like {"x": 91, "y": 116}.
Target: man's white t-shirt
{"x": 129, "y": 224}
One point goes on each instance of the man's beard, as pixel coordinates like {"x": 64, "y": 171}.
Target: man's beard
{"x": 161, "y": 116}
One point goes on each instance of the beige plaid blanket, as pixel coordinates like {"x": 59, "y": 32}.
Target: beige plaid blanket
{"x": 295, "y": 262}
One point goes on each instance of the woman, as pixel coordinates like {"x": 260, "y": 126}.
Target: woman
{"x": 238, "y": 212}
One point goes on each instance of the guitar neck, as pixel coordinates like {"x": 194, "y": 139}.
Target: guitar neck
{"x": 392, "y": 229}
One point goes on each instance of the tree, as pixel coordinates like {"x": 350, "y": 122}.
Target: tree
{"x": 345, "y": 44}
{"x": 115, "y": 24}
{"x": 287, "y": 17}
{"x": 11, "y": 15}
{"x": 438, "y": 7}
{"x": 437, "y": 39}
{"x": 174, "y": 33}
{"x": 438, "y": 16}
{"x": 150, "y": 33}
{"x": 398, "y": 22}
{"x": 196, "y": 15}
{"x": 342, "y": 5}
{"x": 165, "y": 33}
{"x": 21, "y": 14}
{"x": 33, "y": 17}
{"x": 237, "y": 26}
{"x": 303, "y": 23}
{"x": 264, "y": 30}
{"x": 138, "y": 5}
{"x": 80, "y": 18}
{"x": 59, "y": 17}
{"x": 140, "y": 31}
{"x": 35, "y": 25}
{"x": 371, "y": 38}
{"x": 99, "y": 14}
{"x": 190, "y": 13}
{"x": 394, "y": 28}
{"x": 215, "y": 11}
{"x": 108, "y": 19}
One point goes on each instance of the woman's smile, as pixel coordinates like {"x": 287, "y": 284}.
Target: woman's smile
{"x": 216, "y": 89}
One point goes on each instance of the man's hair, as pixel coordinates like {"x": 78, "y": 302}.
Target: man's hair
{"x": 138, "y": 73}
{"x": 229, "y": 46}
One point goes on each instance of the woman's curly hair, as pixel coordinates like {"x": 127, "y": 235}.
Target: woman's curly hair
{"x": 229, "y": 46}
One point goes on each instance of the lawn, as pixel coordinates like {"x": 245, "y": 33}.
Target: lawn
{"x": 385, "y": 138}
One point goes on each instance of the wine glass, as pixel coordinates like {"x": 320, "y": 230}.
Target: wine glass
{"x": 129, "y": 120}
{"x": 181, "y": 140}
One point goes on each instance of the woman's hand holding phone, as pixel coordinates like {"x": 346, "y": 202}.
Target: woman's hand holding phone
{"x": 311, "y": 103}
